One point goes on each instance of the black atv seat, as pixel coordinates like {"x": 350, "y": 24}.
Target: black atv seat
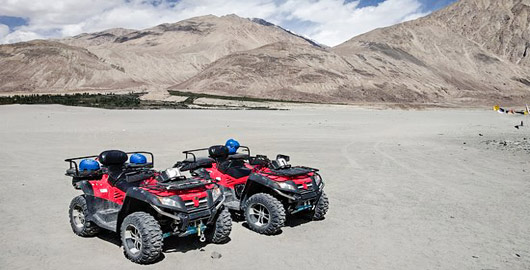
{"x": 192, "y": 164}
{"x": 112, "y": 158}
{"x": 235, "y": 168}
{"x": 133, "y": 179}
{"x": 218, "y": 152}
{"x": 125, "y": 178}
{"x": 113, "y": 162}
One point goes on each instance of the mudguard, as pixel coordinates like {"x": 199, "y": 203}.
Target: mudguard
{"x": 136, "y": 198}
{"x": 142, "y": 195}
{"x": 86, "y": 187}
{"x": 256, "y": 182}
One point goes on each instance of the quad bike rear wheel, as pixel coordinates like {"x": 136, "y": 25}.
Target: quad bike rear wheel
{"x": 264, "y": 214}
{"x": 219, "y": 231}
{"x": 321, "y": 208}
{"x": 78, "y": 211}
{"x": 141, "y": 238}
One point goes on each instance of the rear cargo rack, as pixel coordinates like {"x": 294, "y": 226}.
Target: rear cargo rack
{"x": 73, "y": 161}
{"x": 177, "y": 185}
{"x": 191, "y": 153}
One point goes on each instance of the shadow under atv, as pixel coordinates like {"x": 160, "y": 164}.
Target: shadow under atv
{"x": 292, "y": 221}
{"x": 171, "y": 244}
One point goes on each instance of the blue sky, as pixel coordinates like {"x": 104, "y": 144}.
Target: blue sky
{"x": 428, "y": 5}
{"x": 327, "y": 21}
{"x": 12, "y": 22}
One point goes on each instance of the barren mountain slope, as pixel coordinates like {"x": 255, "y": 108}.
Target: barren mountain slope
{"x": 280, "y": 70}
{"x": 47, "y": 66}
{"x": 427, "y": 58}
{"x": 422, "y": 61}
{"x": 500, "y": 26}
{"x": 170, "y": 53}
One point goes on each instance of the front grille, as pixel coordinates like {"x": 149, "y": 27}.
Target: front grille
{"x": 303, "y": 190}
{"x": 190, "y": 206}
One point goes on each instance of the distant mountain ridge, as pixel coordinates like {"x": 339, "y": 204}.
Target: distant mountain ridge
{"x": 153, "y": 58}
{"x": 266, "y": 23}
{"x": 427, "y": 60}
{"x": 471, "y": 52}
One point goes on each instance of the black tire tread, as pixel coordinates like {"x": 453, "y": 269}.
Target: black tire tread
{"x": 89, "y": 229}
{"x": 276, "y": 211}
{"x": 220, "y": 231}
{"x": 151, "y": 232}
{"x": 321, "y": 208}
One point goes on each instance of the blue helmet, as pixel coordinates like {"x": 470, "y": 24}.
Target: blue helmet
{"x": 88, "y": 165}
{"x": 232, "y": 146}
{"x": 138, "y": 159}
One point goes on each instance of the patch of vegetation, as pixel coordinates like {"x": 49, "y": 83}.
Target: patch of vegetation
{"x": 131, "y": 100}
{"x": 106, "y": 101}
{"x": 193, "y": 96}
{"x": 115, "y": 101}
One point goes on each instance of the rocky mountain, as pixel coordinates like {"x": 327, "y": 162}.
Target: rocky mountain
{"x": 473, "y": 52}
{"x": 450, "y": 56}
{"x": 499, "y": 26}
{"x": 280, "y": 70}
{"x": 170, "y": 53}
{"x": 435, "y": 64}
{"x": 435, "y": 59}
{"x": 49, "y": 66}
{"x": 152, "y": 58}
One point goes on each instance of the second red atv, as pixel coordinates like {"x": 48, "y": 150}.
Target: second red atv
{"x": 263, "y": 190}
{"x": 143, "y": 205}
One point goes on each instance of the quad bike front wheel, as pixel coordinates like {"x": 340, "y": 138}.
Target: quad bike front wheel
{"x": 219, "y": 231}
{"x": 264, "y": 214}
{"x": 141, "y": 238}
{"x": 78, "y": 211}
{"x": 321, "y": 208}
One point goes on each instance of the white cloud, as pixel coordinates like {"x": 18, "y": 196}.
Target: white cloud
{"x": 327, "y": 21}
{"x": 4, "y": 30}
{"x": 19, "y": 36}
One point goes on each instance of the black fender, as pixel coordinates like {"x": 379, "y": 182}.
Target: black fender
{"x": 137, "y": 199}
{"x": 86, "y": 187}
{"x": 131, "y": 205}
{"x": 142, "y": 195}
{"x": 257, "y": 183}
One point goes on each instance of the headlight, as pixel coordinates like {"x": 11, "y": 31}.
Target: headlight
{"x": 168, "y": 201}
{"x": 216, "y": 193}
{"x": 318, "y": 179}
{"x": 284, "y": 185}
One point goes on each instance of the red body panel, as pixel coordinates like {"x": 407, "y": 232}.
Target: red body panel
{"x": 193, "y": 195}
{"x": 229, "y": 182}
{"x": 225, "y": 180}
{"x": 301, "y": 181}
{"x": 104, "y": 190}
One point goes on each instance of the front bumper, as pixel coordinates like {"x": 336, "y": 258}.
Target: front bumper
{"x": 302, "y": 199}
{"x": 301, "y": 194}
{"x": 184, "y": 220}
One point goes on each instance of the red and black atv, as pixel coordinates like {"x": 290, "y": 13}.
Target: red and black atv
{"x": 263, "y": 190}
{"x": 143, "y": 205}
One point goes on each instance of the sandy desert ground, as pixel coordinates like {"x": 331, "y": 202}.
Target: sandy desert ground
{"x": 408, "y": 189}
